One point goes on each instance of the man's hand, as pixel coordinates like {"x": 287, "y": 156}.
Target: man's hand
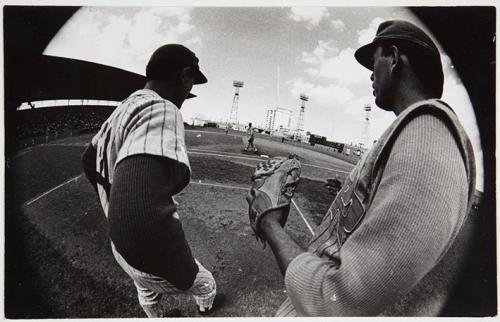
{"x": 333, "y": 185}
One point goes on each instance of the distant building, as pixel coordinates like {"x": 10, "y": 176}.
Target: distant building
{"x": 199, "y": 122}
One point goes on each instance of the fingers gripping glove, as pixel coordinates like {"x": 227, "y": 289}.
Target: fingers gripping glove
{"x": 333, "y": 185}
{"x": 273, "y": 185}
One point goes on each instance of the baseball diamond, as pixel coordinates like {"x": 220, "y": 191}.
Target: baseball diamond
{"x": 75, "y": 237}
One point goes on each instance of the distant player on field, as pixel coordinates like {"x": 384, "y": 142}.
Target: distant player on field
{"x": 250, "y": 139}
{"x": 137, "y": 162}
{"x": 386, "y": 244}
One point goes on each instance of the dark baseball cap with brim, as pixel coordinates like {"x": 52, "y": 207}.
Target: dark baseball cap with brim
{"x": 396, "y": 31}
{"x": 173, "y": 57}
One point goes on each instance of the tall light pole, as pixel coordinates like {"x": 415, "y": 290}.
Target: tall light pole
{"x": 300, "y": 123}
{"x": 233, "y": 116}
{"x": 366, "y": 128}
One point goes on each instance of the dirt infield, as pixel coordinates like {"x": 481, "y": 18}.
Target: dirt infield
{"x": 59, "y": 263}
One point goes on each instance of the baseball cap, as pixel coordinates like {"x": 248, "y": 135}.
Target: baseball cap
{"x": 172, "y": 57}
{"x": 396, "y": 30}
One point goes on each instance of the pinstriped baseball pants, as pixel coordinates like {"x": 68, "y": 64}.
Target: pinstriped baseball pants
{"x": 150, "y": 288}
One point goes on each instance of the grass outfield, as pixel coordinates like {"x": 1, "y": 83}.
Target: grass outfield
{"x": 58, "y": 259}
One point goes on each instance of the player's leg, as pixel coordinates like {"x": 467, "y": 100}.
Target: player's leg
{"x": 253, "y": 147}
{"x": 149, "y": 295}
{"x": 149, "y": 288}
{"x": 149, "y": 301}
{"x": 204, "y": 291}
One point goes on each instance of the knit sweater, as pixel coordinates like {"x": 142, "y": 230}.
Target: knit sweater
{"x": 141, "y": 219}
{"x": 137, "y": 162}
{"x": 375, "y": 263}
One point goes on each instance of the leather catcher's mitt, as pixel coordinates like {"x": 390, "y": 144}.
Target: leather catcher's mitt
{"x": 273, "y": 185}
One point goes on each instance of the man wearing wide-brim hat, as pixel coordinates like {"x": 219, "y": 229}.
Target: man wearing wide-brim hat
{"x": 386, "y": 244}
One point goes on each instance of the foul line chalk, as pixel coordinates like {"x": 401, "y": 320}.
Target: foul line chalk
{"x": 233, "y": 155}
{"x": 323, "y": 168}
{"x": 224, "y": 155}
{"x": 303, "y": 218}
{"x": 52, "y": 190}
{"x": 218, "y": 185}
{"x": 194, "y": 182}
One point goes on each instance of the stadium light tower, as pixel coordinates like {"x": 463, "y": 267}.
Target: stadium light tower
{"x": 300, "y": 123}
{"x": 366, "y": 128}
{"x": 233, "y": 116}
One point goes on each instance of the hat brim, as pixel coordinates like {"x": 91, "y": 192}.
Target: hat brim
{"x": 364, "y": 55}
{"x": 199, "y": 77}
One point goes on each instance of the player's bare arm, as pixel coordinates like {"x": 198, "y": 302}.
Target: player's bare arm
{"x": 284, "y": 248}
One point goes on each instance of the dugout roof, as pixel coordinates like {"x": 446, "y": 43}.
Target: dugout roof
{"x": 31, "y": 76}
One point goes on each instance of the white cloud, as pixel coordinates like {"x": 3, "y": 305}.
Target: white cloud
{"x": 123, "y": 37}
{"x": 345, "y": 69}
{"x": 338, "y": 24}
{"x": 338, "y": 113}
{"x": 324, "y": 50}
{"x": 332, "y": 95}
{"x": 366, "y": 36}
{"x": 328, "y": 61}
{"x": 311, "y": 15}
{"x": 194, "y": 42}
{"x": 336, "y": 106}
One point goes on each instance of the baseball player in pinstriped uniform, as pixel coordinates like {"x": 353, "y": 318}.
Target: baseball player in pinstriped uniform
{"x": 137, "y": 162}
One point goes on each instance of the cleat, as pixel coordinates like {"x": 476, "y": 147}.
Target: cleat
{"x": 173, "y": 313}
{"x": 218, "y": 302}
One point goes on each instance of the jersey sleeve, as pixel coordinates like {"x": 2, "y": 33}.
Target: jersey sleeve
{"x": 141, "y": 219}
{"x": 418, "y": 208}
{"x": 157, "y": 129}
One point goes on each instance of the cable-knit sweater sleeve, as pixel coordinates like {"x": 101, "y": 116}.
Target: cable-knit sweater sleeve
{"x": 141, "y": 218}
{"x": 417, "y": 209}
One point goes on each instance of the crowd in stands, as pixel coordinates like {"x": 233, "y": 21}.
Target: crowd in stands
{"x": 34, "y": 125}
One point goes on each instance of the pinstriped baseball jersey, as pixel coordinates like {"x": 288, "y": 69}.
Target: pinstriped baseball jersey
{"x": 144, "y": 123}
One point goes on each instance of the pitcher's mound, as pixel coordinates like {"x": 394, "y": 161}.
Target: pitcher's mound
{"x": 250, "y": 152}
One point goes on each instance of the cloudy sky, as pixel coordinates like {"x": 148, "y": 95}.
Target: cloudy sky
{"x": 311, "y": 47}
